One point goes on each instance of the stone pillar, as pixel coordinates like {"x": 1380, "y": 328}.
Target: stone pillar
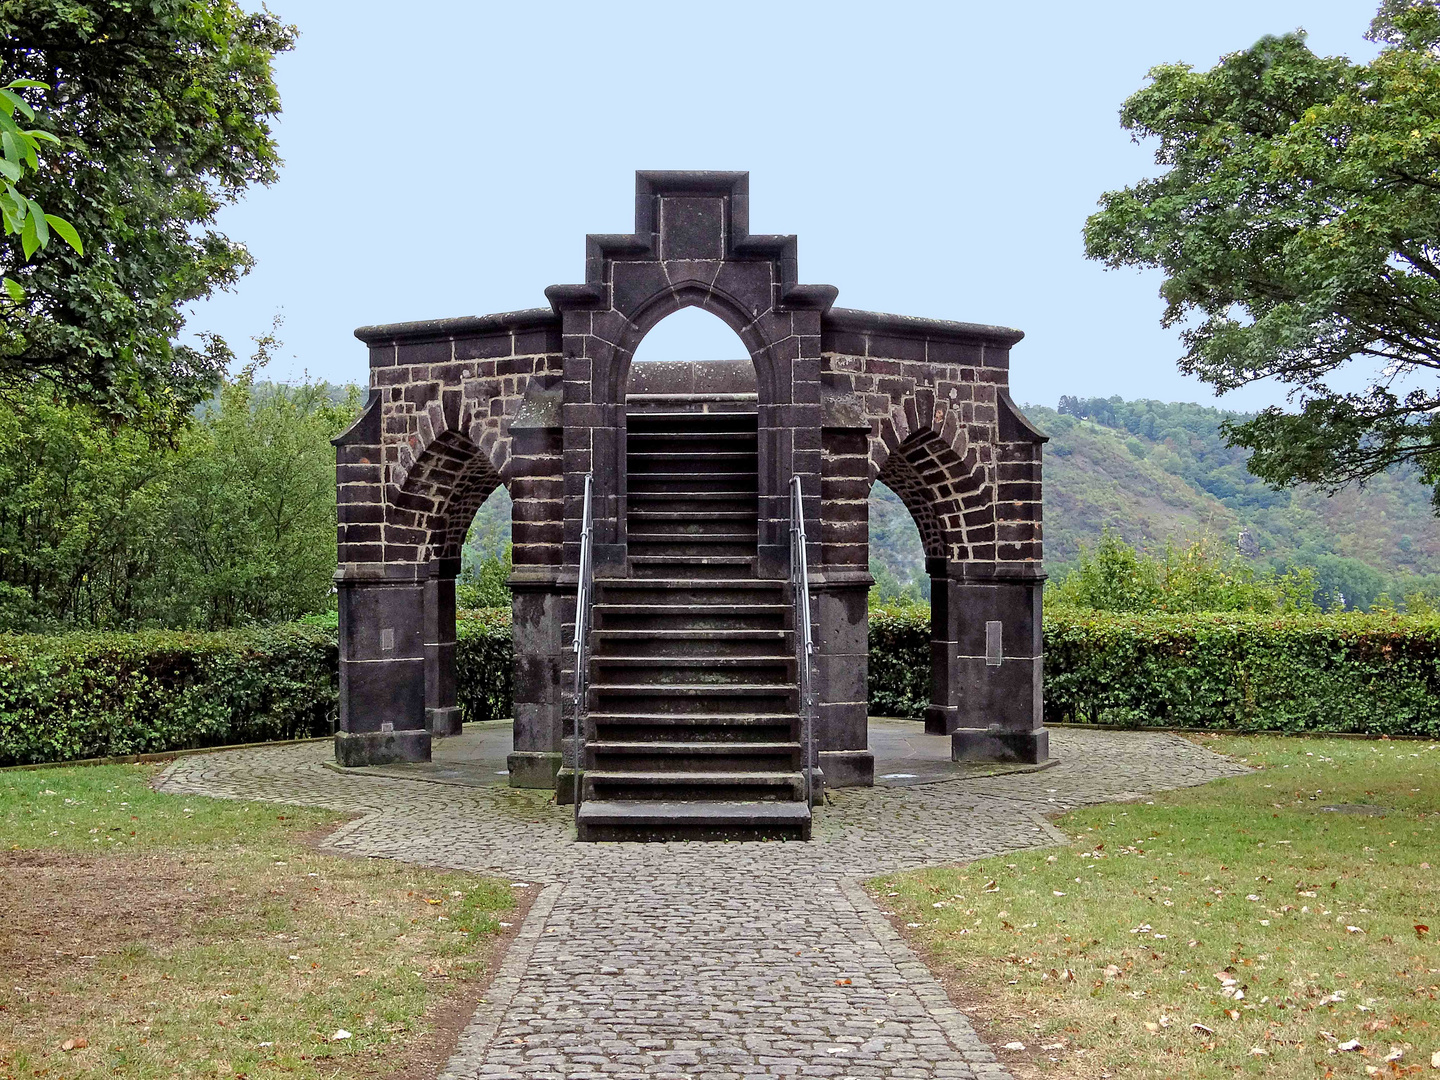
{"x": 542, "y": 621}
{"x": 382, "y": 669}
{"x": 442, "y": 713}
{"x": 842, "y": 663}
{"x": 986, "y": 657}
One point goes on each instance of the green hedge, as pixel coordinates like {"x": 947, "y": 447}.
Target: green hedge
{"x": 1372, "y": 674}
{"x": 484, "y": 671}
{"x": 75, "y": 696}
{"x": 899, "y": 661}
{"x": 70, "y": 696}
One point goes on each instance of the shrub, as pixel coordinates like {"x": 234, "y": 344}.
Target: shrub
{"x": 83, "y": 695}
{"x": 484, "y": 671}
{"x": 1376, "y": 674}
{"x": 900, "y": 661}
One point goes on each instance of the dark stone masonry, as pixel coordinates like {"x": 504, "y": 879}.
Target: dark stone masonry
{"x": 534, "y": 400}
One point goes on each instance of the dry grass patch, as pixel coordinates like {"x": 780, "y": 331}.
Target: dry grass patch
{"x": 1276, "y": 924}
{"x": 150, "y": 935}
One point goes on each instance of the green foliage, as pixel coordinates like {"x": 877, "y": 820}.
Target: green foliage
{"x": 70, "y": 696}
{"x": 1199, "y": 577}
{"x": 1296, "y": 222}
{"x": 251, "y": 504}
{"x": 1191, "y": 484}
{"x": 484, "y": 582}
{"x": 234, "y": 523}
{"x": 1378, "y": 674}
{"x": 160, "y": 115}
{"x": 484, "y": 664}
{"x": 899, "y": 661}
{"x": 21, "y": 215}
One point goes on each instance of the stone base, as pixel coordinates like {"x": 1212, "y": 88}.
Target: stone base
{"x": 565, "y": 786}
{"x": 533, "y": 768}
{"x": 848, "y": 768}
{"x": 941, "y": 720}
{"x": 443, "y": 722}
{"x": 353, "y": 749}
{"x": 997, "y": 744}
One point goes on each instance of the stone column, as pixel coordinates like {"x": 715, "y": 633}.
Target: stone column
{"x": 986, "y": 657}
{"x": 842, "y": 663}
{"x": 542, "y": 618}
{"x": 382, "y": 668}
{"x": 442, "y": 712}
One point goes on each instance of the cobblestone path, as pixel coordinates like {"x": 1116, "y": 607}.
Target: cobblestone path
{"x": 711, "y": 960}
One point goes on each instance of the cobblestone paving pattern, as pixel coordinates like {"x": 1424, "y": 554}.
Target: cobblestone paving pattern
{"x": 711, "y": 960}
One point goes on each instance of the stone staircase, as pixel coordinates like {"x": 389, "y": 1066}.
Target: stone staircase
{"x": 693, "y": 730}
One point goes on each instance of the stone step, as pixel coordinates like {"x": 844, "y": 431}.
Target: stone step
{"x": 691, "y": 502}
{"x": 682, "y": 480}
{"x": 665, "y": 671}
{"x": 719, "y": 757}
{"x": 655, "y": 544}
{"x": 692, "y": 643}
{"x": 694, "y": 699}
{"x": 684, "y": 438}
{"x": 655, "y": 820}
{"x": 743, "y": 786}
{"x": 616, "y": 616}
{"x": 669, "y": 567}
{"x": 692, "y": 461}
{"x": 682, "y": 728}
{"x": 682, "y": 592}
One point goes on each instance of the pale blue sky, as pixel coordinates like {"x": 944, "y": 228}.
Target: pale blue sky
{"x": 934, "y": 159}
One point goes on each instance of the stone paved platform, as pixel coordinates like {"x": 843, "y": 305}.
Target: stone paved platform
{"x": 710, "y": 960}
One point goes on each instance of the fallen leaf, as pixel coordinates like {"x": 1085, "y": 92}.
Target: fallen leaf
{"x": 1233, "y": 1014}
{"x": 340, "y": 1035}
{"x": 842, "y": 982}
{"x": 1435, "y": 1060}
{"x": 1202, "y": 1029}
{"x": 1421, "y": 929}
{"x": 1014, "y": 1046}
{"x": 75, "y": 1044}
{"x": 1349, "y": 1044}
{"x": 1255, "y": 1051}
{"x": 991, "y": 886}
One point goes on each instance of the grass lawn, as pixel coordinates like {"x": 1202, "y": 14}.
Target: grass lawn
{"x": 1277, "y": 924}
{"x": 146, "y": 935}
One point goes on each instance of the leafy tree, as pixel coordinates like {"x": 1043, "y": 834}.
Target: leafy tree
{"x": 1297, "y": 221}
{"x": 233, "y": 523}
{"x": 251, "y": 504}
{"x": 160, "y": 114}
{"x": 1198, "y": 577}
{"x": 21, "y": 215}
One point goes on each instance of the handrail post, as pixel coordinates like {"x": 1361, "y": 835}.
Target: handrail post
{"x": 804, "y": 637}
{"x": 580, "y": 647}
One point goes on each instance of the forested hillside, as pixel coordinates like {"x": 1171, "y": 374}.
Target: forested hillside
{"x": 1154, "y": 472}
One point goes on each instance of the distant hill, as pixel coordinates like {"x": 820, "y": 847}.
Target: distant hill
{"x": 1152, "y": 472}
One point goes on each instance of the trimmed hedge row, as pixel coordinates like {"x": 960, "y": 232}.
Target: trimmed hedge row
{"x": 75, "y": 696}
{"x": 484, "y": 668}
{"x": 1353, "y": 673}
{"x": 70, "y": 696}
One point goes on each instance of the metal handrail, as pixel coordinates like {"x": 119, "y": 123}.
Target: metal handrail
{"x": 584, "y": 599}
{"x": 804, "y": 639}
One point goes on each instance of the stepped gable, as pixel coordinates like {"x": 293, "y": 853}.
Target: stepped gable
{"x": 691, "y": 469}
